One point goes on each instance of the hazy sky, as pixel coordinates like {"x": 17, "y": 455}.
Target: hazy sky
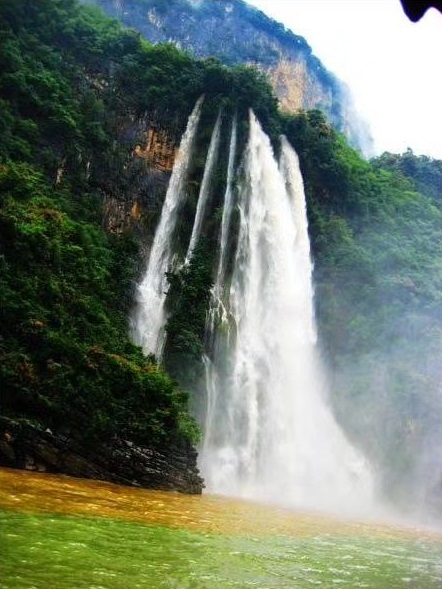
{"x": 383, "y": 57}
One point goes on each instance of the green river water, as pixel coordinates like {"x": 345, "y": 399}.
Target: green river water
{"x": 64, "y": 533}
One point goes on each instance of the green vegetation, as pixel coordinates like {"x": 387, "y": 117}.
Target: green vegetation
{"x": 188, "y": 301}
{"x": 66, "y": 359}
{"x": 423, "y": 172}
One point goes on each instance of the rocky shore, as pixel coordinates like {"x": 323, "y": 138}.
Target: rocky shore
{"x": 28, "y": 446}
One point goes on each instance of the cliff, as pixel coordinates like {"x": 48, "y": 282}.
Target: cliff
{"x": 236, "y": 32}
{"x": 152, "y": 148}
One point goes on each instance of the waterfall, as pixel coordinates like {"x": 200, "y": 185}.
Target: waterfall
{"x": 204, "y": 192}
{"x": 227, "y": 209}
{"x": 271, "y": 434}
{"x": 149, "y": 317}
{"x": 289, "y": 168}
{"x": 217, "y": 319}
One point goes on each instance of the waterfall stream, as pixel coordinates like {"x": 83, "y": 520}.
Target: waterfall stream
{"x": 268, "y": 432}
{"x": 271, "y": 434}
{"x": 217, "y": 317}
{"x": 149, "y": 318}
{"x": 227, "y": 209}
{"x": 204, "y": 192}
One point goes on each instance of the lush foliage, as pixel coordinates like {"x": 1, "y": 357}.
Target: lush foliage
{"x": 188, "y": 300}
{"x": 66, "y": 359}
{"x": 424, "y": 172}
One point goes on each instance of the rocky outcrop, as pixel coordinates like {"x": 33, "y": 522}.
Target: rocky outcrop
{"x": 27, "y": 446}
{"x": 297, "y": 88}
{"x": 152, "y": 148}
{"x": 158, "y": 148}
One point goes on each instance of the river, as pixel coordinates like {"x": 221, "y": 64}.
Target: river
{"x": 59, "y": 532}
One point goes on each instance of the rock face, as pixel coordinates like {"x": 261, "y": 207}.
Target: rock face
{"x": 23, "y": 445}
{"x": 158, "y": 148}
{"x": 235, "y": 33}
{"x": 152, "y": 147}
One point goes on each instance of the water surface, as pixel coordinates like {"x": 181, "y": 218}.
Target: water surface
{"x": 59, "y": 532}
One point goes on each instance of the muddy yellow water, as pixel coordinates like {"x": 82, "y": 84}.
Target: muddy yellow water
{"x": 61, "y": 494}
{"x": 60, "y": 532}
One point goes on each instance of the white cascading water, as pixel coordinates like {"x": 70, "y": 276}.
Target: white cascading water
{"x": 227, "y": 209}
{"x": 271, "y": 435}
{"x": 204, "y": 192}
{"x": 217, "y": 319}
{"x": 149, "y": 317}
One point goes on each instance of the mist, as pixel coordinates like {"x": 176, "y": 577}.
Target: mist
{"x": 386, "y": 385}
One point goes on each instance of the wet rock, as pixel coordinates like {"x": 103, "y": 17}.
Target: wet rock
{"x": 28, "y": 446}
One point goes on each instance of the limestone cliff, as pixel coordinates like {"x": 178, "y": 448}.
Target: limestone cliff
{"x": 236, "y": 32}
{"x": 294, "y": 87}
